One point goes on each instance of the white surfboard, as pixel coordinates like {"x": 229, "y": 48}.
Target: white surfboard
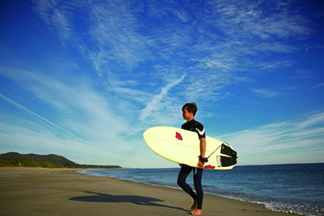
{"x": 182, "y": 146}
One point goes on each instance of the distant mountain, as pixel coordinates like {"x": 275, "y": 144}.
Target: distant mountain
{"x": 47, "y": 161}
{"x": 34, "y": 157}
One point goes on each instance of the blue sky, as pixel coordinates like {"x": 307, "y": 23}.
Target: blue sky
{"x": 84, "y": 79}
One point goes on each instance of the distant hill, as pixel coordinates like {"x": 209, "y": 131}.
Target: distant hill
{"x": 48, "y": 161}
{"x": 35, "y": 157}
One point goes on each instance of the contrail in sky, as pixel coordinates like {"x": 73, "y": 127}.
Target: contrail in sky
{"x": 151, "y": 105}
{"x": 39, "y": 117}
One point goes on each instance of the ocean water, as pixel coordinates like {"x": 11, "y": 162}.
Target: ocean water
{"x": 297, "y": 188}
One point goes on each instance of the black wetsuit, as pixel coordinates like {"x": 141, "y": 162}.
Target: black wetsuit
{"x": 195, "y": 126}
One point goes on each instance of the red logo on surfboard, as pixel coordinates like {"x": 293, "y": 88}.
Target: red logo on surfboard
{"x": 209, "y": 167}
{"x": 178, "y": 136}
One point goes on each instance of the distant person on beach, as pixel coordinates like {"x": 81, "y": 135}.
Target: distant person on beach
{"x": 188, "y": 112}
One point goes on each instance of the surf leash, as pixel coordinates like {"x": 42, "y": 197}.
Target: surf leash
{"x": 216, "y": 149}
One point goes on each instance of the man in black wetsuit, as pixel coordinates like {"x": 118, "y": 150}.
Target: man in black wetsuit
{"x": 188, "y": 112}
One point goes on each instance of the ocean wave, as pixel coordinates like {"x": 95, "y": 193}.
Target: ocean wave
{"x": 273, "y": 205}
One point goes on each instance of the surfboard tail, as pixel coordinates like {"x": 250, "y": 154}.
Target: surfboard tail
{"x": 231, "y": 156}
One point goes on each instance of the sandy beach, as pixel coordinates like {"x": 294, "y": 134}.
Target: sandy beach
{"x": 37, "y": 191}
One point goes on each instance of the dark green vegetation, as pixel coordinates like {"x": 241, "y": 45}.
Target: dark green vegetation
{"x": 14, "y": 159}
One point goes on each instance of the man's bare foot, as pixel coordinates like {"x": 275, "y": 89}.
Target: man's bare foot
{"x": 194, "y": 205}
{"x": 196, "y": 212}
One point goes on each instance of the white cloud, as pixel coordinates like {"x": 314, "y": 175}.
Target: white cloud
{"x": 248, "y": 20}
{"x": 114, "y": 30}
{"x": 318, "y": 86}
{"x": 44, "y": 8}
{"x": 77, "y": 105}
{"x": 281, "y": 140}
{"x": 312, "y": 121}
{"x": 266, "y": 93}
{"x": 32, "y": 137}
{"x": 214, "y": 38}
{"x": 57, "y": 16}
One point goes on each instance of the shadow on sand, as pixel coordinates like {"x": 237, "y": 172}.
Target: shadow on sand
{"x": 137, "y": 200}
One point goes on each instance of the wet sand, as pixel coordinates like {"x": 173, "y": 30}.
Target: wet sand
{"x": 37, "y": 191}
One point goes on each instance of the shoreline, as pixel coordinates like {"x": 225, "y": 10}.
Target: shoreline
{"x": 62, "y": 191}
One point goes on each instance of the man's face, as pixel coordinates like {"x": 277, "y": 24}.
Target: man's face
{"x": 185, "y": 113}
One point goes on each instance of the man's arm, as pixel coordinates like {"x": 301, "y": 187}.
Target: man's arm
{"x": 202, "y": 152}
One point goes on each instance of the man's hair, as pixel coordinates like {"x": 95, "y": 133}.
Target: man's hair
{"x": 191, "y": 107}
